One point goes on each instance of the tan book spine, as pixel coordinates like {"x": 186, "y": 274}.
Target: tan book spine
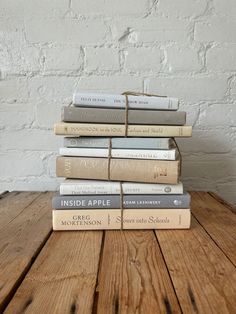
{"x": 85, "y": 129}
{"x": 136, "y": 170}
{"x": 103, "y": 219}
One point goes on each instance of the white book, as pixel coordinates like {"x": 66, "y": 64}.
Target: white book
{"x": 93, "y": 187}
{"x": 119, "y": 101}
{"x": 163, "y": 154}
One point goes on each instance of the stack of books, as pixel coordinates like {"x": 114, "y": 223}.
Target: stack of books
{"x": 121, "y": 163}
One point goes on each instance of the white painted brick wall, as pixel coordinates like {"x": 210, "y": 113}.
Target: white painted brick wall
{"x": 184, "y": 48}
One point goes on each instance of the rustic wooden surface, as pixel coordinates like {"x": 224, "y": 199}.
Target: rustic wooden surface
{"x": 166, "y": 271}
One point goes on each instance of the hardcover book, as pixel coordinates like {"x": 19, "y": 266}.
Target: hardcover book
{"x": 98, "y": 187}
{"x": 137, "y": 170}
{"x": 111, "y": 219}
{"x": 114, "y": 201}
{"x": 170, "y": 154}
{"x": 86, "y": 129}
{"x": 119, "y": 142}
{"x": 102, "y": 115}
{"x": 119, "y": 101}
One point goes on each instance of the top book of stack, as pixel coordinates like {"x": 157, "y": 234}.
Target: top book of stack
{"x": 110, "y": 115}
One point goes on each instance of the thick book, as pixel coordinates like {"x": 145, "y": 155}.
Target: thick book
{"x": 97, "y": 187}
{"x": 119, "y": 101}
{"x": 162, "y": 154}
{"x": 119, "y": 142}
{"x": 87, "y": 129}
{"x": 114, "y": 201}
{"x": 108, "y": 219}
{"x": 102, "y": 115}
{"x": 137, "y": 170}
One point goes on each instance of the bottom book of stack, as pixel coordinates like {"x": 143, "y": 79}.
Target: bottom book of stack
{"x": 99, "y": 205}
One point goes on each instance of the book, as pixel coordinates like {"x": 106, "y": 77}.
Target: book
{"x": 86, "y": 129}
{"x": 168, "y": 154}
{"x": 105, "y": 219}
{"x": 114, "y": 201}
{"x": 102, "y": 115}
{"x": 98, "y": 187}
{"x": 119, "y": 142}
{"x": 137, "y": 170}
{"x": 119, "y": 101}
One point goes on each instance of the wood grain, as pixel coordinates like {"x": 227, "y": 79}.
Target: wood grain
{"x": 24, "y": 227}
{"x": 133, "y": 277}
{"x": 217, "y": 220}
{"x": 63, "y": 278}
{"x": 203, "y": 277}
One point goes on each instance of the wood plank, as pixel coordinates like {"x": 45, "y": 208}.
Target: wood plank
{"x": 133, "y": 277}
{"x": 203, "y": 277}
{"x": 23, "y": 232}
{"x": 223, "y": 202}
{"x": 12, "y": 204}
{"x": 217, "y": 220}
{"x": 63, "y": 277}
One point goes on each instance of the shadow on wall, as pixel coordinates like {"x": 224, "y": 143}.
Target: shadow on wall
{"x": 209, "y": 166}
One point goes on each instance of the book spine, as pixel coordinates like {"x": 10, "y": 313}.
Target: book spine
{"x": 84, "y": 129}
{"x": 113, "y": 201}
{"x": 136, "y": 170}
{"x": 102, "y": 219}
{"x": 101, "y": 115}
{"x": 125, "y": 142}
{"x": 106, "y": 188}
{"x": 118, "y": 101}
{"x": 120, "y": 153}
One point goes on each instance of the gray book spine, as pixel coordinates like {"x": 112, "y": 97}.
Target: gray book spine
{"x": 135, "y": 143}
{"x": 129, "y": 201}
{"x": 94, "y": 115}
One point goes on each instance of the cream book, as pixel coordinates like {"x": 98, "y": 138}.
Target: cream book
{"x": 99, "y": 187}
{"x": 110, "y": 219}
{"x": 90, "y": 129}
{"x": 164, "y": 154}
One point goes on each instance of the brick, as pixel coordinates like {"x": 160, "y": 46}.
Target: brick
{"x": 42, "y": 183}
{"x": 110, "y": 84}
{"x": 190, "y": 89}
{"x": 210, "y": 141}
{"x": 102, "y": 59}
{"x": 111, "y": 7}
{"x": 233, "y": 89}
{"x": 143, "y": 59}
{"x": 181, "y": 8}
{"x": 13, "y": 89}
{"x": 31, "y": 140}
{"x": 52, "y": 89}
{"x": 222, "y": 58}
{"x": 20, "y": 164}
{"x": 16, "y": 115}
{"x": 225, "y": 7}
{"x": 65, "y": 31}
{"x": 218, "y": 115}
{"x": 55, "y": 58}
{"x": 24, "y": 59}
{"x": 182, "y": 59}
{"x": 151, "y": 30}
{"x": 30, "y": 7}
{"x": 216, "y": 29}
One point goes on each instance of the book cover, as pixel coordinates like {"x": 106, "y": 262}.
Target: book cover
{"x": 102, "y": 115}
{"x": 119, "y": 101}
{"x": 170, "y": 154}
{"x": 98, "y": 187}
{"x": 137, "y": 170}
{"x": 104, "y": 219}
{"x": 86, "y": 129}
{"x": 114, "y": 201}
{"x": 119, "y": 142}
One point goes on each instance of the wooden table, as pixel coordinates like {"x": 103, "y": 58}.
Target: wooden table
{"x": 168, "y": 271}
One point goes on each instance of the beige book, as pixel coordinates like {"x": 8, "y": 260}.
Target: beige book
{"x": 90, "y": 129}
{"x": 136, "y": 170}
{"x": 104, "y": 219}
